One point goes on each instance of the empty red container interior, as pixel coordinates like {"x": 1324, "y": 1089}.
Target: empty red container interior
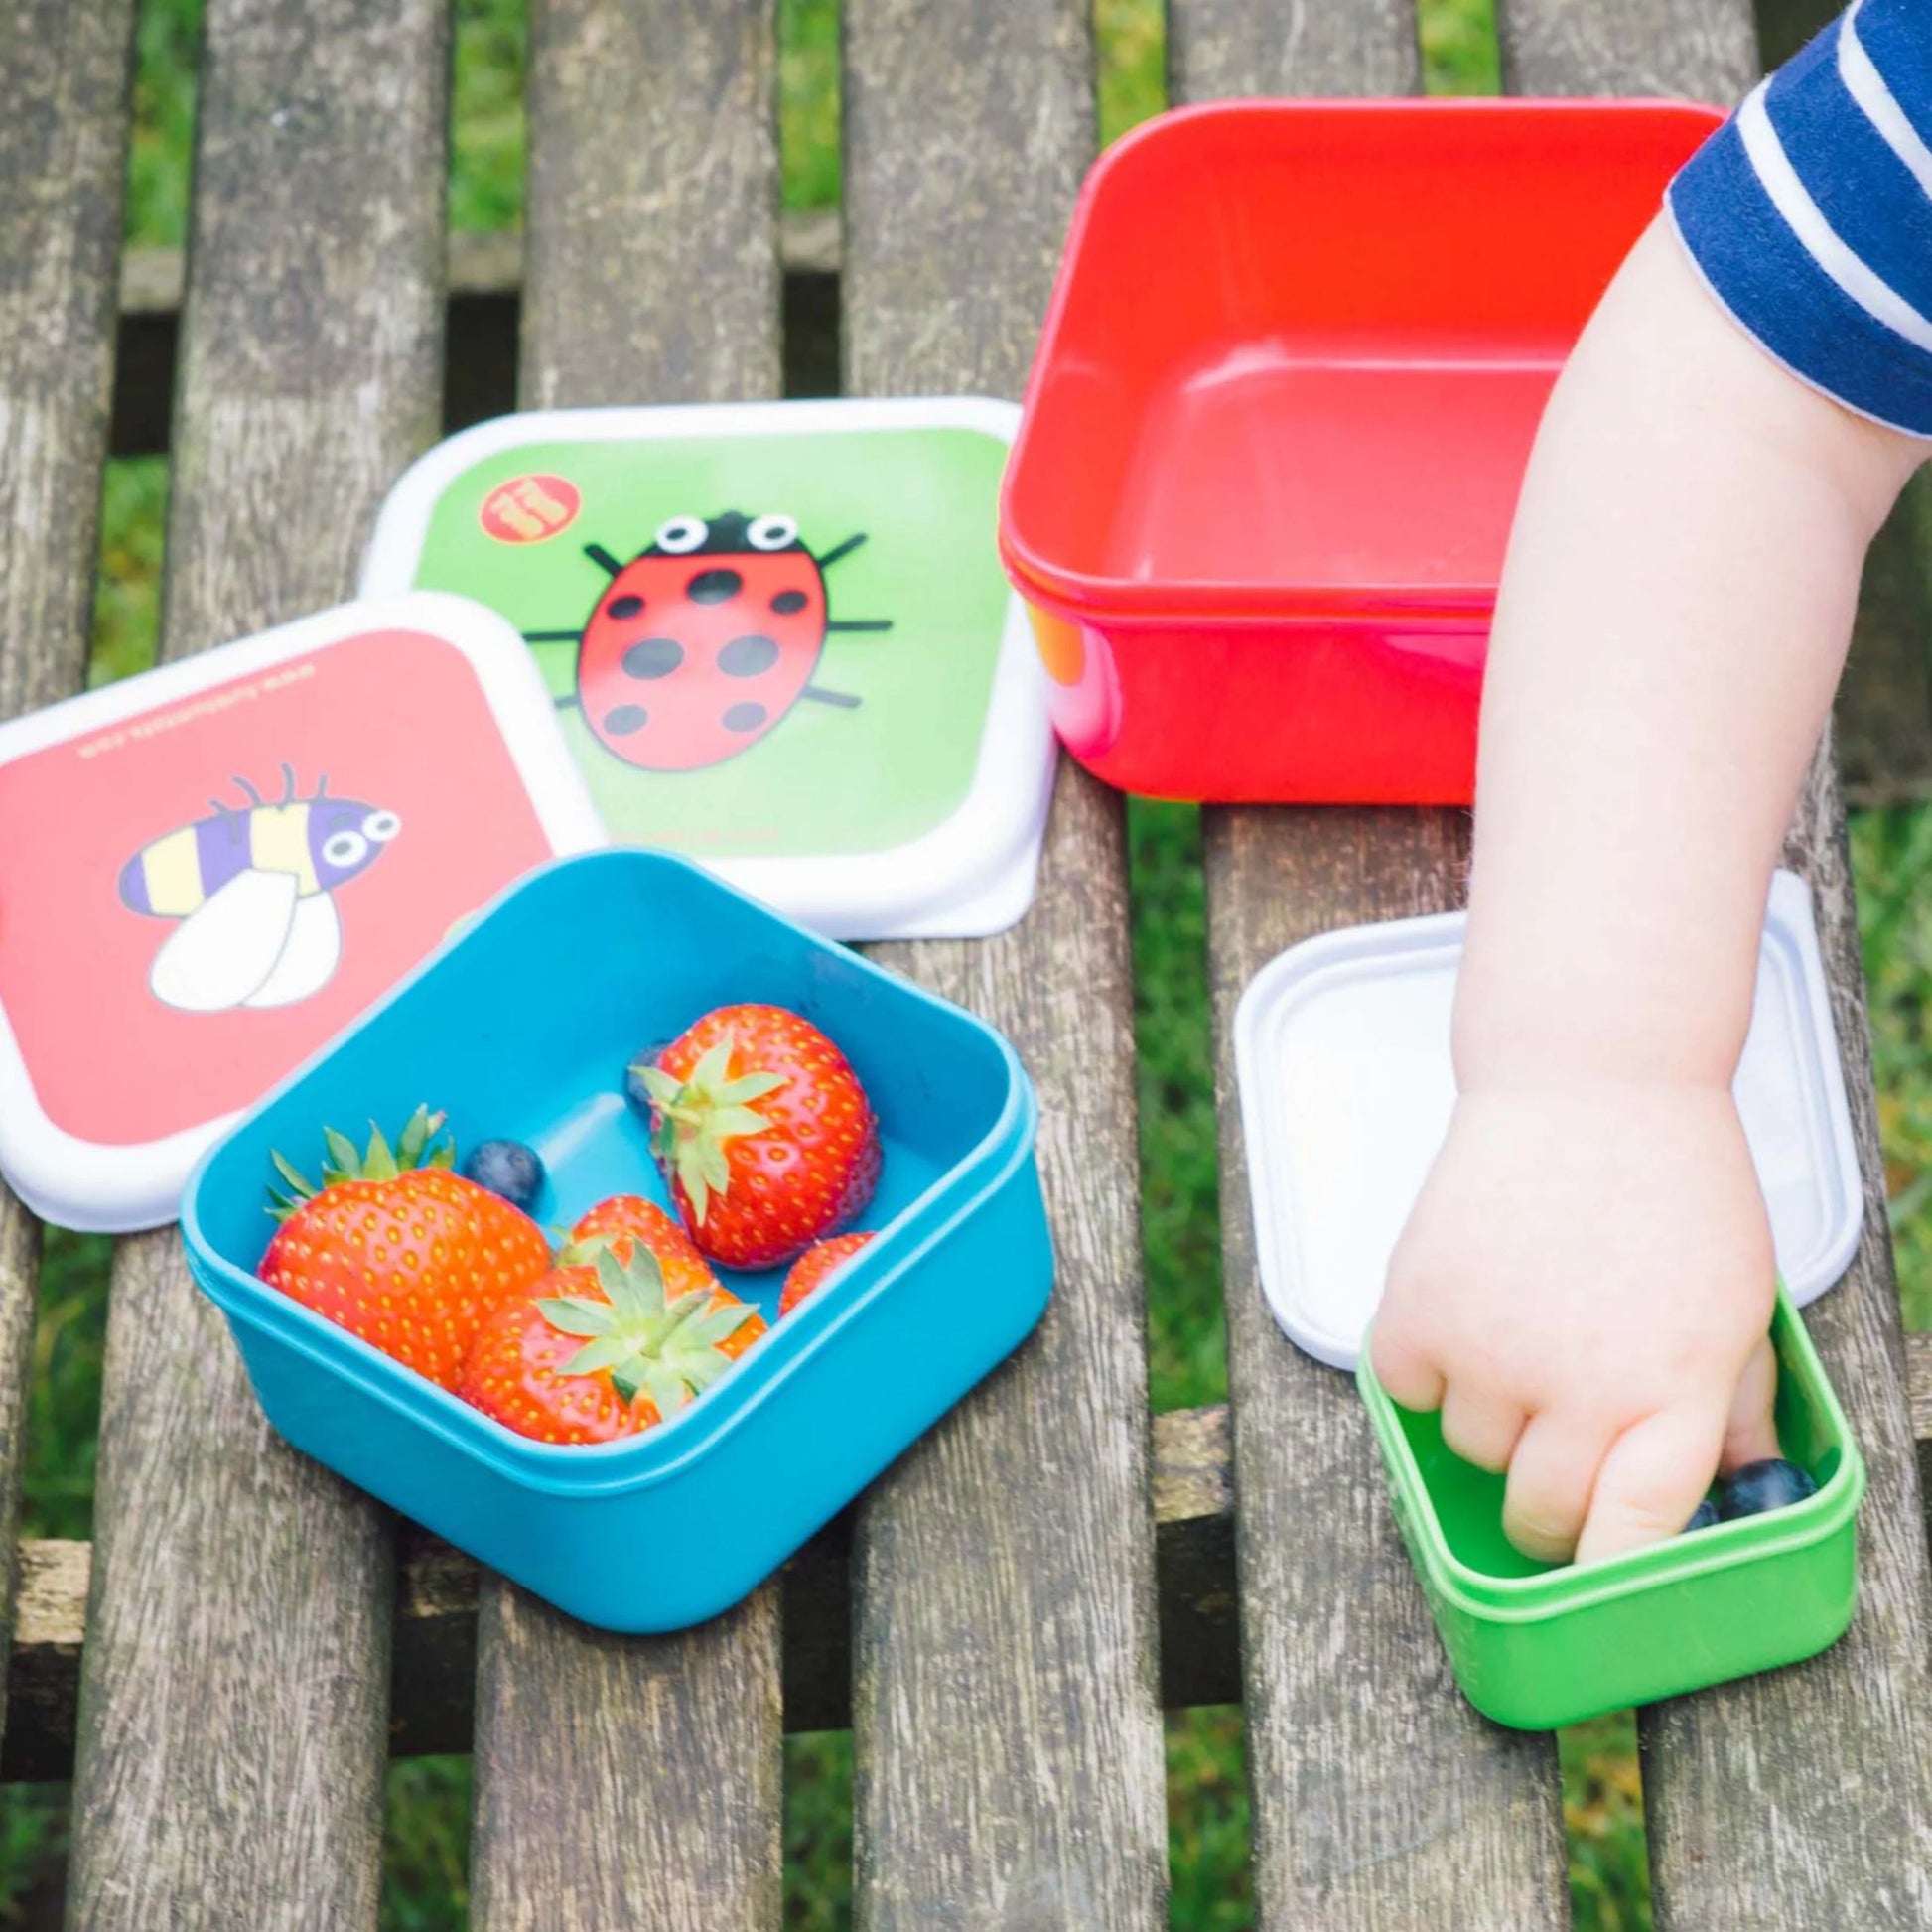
{"x": 1298, "y": 349}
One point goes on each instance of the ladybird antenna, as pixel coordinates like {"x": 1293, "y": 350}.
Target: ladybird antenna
{"x": 838, "y": 550}
{"x": 819, "y": 695}
{"x": 247, "y": 790}
{"x": 603, "y": 559}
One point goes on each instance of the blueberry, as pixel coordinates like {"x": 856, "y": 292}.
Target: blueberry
{"x": 1702, "y": 1517}
{"x": 1758, "y": 1486}
{"x": 505, "y": 1167}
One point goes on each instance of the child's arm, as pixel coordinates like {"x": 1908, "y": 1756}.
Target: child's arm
{"x": 1586, "y": 1283}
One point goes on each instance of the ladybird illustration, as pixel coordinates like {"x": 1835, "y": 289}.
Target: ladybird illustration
{"x": 703, "y": 642}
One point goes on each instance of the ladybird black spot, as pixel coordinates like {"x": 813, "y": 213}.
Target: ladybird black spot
{"x": 653, "y": 657}
{"x": 787, "y": 602}
{"x": 626, "y": 605}
{"x": 747, "y": 657}
{"x": 625, "y": 718}
{"x": 714, "y": 585}
{"x": 743, "y": 717}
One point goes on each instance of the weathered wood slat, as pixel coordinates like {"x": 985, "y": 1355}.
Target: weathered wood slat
{"x": 1745, "y": 1831}
{"x": 1379, "y": 1797}
{"x": 232, "y": 1709}
{"x": 437, "y": 1589}
{"x": 62, "y": 145}
{"x": 1697, "y": 49}
{"x": 1882, "y": 721}
{"x": 435, "y": 1643}
{"x": 1008, "y": 1740}
{"x": 637, "y": 1781}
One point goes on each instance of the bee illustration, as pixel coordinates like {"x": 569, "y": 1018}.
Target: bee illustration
{"x": 704, "y": 640}
{"x": 251, "y": 886}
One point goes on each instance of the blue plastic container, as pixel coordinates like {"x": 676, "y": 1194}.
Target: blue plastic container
{"x": 522, "y": 1025}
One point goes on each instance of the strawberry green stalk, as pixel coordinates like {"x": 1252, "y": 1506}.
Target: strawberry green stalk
{"x": 668, "y": 1348}
{"x": 418, "y": 1146}
{"x": 696, "y": 1117}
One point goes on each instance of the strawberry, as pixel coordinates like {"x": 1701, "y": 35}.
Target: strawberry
{"x": 397, "y": 1249}
{"x": 615, "y": 1222}
{"x": 598, "y": 1349}
{"x": 756, "y": 1185}
{"x": 822, "y": 1258}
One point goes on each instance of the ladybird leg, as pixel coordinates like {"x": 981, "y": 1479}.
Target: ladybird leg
{"x": 567, "y": 701}
{"x": 551, "y": 636}
{"x": 838, "y": 550}
{"x": 858, "y": 623}
{"x": 603, "y": 559}
{"x": 819, "y": 695}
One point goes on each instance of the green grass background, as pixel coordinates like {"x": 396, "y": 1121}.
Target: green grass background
{"x": 426, "y": 1849}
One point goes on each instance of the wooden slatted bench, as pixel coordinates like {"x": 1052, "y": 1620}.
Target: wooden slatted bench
{"x": 229, "y": 1666}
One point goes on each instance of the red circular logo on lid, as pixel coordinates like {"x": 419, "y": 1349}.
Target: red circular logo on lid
{"x": 530, "y": 510}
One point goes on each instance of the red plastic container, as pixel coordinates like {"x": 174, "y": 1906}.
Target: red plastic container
{"x": 1279, "y": 419}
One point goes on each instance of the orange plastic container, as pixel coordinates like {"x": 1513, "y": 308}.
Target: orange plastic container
{"x": 1279, "y": 418}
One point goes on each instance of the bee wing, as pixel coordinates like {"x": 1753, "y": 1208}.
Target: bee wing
{"x": 308, "y": 959}
{"x": 227, "y": 946}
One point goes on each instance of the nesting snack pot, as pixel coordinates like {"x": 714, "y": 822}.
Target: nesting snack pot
{"x": 1346, "y": 1084}
{"x": 1537, "y": 1647}
{"x": 1279, "y": 418}
{"x": 668, "y": 1528}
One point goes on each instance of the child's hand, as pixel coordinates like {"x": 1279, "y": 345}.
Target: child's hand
{"x": 1584, "y": 1289}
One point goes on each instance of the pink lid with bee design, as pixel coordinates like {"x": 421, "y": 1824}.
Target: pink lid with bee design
{"x": 213, "y": 867}
{"x": 777, "y": 634}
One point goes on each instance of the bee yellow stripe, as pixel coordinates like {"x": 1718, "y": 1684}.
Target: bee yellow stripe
{"x": 171, "y": 868}
{"x": 278, "y": 841}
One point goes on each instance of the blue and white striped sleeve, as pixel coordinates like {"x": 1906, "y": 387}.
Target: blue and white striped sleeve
{"x": 1809, "y": 213}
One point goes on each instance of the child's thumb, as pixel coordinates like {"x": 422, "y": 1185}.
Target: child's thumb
{"x": 1654, "y": 1476}
{"x": 1750, "y": 1435}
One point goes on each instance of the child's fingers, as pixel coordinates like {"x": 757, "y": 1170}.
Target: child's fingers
{"x": 1403, "y": 1369}
{"x": 1752, "y": 1435}
{"x": 1654, "y": 1476}
{"x": 1481, "y": 1428}
{"x": 1551, "y": 1478}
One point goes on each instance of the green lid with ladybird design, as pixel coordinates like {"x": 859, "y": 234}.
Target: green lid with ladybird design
{"x": 778, "y": 636}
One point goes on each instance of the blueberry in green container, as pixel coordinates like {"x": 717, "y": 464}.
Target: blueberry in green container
{"x": 1537, "y": 1646}
{"x": 522, "y": 1028}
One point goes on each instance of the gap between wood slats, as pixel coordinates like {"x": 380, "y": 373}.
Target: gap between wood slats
{"x": 436, "y": 1609}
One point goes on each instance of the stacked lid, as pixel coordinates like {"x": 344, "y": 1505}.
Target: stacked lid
{"x": 1343, "y": 1057}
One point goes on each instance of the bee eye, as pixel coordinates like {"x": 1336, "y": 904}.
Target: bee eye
{"x": 682, "y": 534}
{"x": 381, "y": 827}
{"x": 773, "y": 533}
{"x": 345, "y": 849}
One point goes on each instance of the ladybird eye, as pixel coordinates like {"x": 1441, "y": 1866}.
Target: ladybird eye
{"x": 682, "y": 534}
{"x": 381, "y": 827}
{"x": 773, "y": 533}
{"x": 343, "y": 849}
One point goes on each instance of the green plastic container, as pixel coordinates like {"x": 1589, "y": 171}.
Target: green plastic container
{"x": 1535, "y": 1646}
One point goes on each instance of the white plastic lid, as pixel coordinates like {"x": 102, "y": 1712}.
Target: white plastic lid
{"x": 214, "y": 867}
{"x": 1343, "y": 1057}
{"x": 846, "y": 719}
